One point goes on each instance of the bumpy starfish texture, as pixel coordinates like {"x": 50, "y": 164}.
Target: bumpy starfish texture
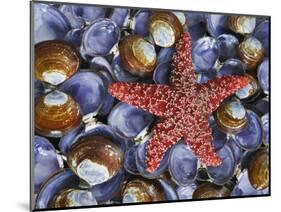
{"x": 183, "y": 107}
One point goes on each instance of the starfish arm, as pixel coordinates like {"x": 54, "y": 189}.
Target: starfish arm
{"x": 199, "y": 139}
{"x": 182, "y": 74}
{"x": 149, "y": 97}
{"x": 164, "y": 134}
{"x": 220, "y": 88}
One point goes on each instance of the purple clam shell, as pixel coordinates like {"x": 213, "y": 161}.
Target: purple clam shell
{"x": 219, "y": 138}
{"x": 141, "y": 162}
{"x": 223, "y": 173}
{"x": 107, "y": 190}
{"x": 74, "y": 37}
{"x": 196, "y": 25}
{"x": 45, "y": 161}
{"x": 262, "y": 34}
{"x": 265, "y": 125}
{"x": 204, "y": 77}
{"x": 79, "y": 15}
{"x": 100, "y": 37}
{"x": 165, "y": 54}
{"x": 119, "y": 73}
{"x": 169, "y": 191}
{"x": 185, "y": 192}
{"x": 244, "y": 187}
{"x": 38, "y": 89}
{"x": 231, "y": 67}
{"x": 119, "y": 16}
{"x": 263, "y": 75}
{"x": 262, "y": 106}
{"x": 87, "y": 88}
{"x": 140, "y": 22}
{"x": 49, "y": 23}
{"x": 182, "y": 164}
{"x": 62, "y": 180}
{"x": 237, "y": 151}
{"x": 128, "y": 121}
{"x": 228, "y": 45}
{"x": 204, "y": 53}
{"x": 217, "y": 24}
{"x": 130, "y": 160}
{"x": 251, "y": 137}
{"x": 161, "y": 74}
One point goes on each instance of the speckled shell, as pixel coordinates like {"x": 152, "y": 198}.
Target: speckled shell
{"x": 209, "y": 190}
{"x": 55, "y": 61}
{"x": 231, "y": 117}
{"x": 259, "y": 170}
{"x": 242, "y": 24}
{"x": 137, "y": 55}
{"x": 143, "y": 190}
{"x": 164, "y": 24}
{"x": 55, "y": 114}
{"x": 251, "y": 52}
{"x": 95, "y": 159}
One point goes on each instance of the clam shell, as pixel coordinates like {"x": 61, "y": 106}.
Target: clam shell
{"x": 251, "y": 52}
{"x": 250, "y": 91}
{"x": 262, "y": 34}
{"x": 242, "y": 24}
{"x": 56, "y": 113}
{"x": 165, "y": 28}
{"x": 228, "y": 46}
{"x": 263, "y": 75}
{"x": 265, "y": 124}
{"x": 231, "y": 67}
{"x": 209, "y": 190}
{"x": 161, "y": 74}
{"x": 258, "y": 170}
{"x": 137, "y": 55}
{"x": 216, "y": 24}
{"x": 185, "y": 192}
{"x": 55, "y": 61}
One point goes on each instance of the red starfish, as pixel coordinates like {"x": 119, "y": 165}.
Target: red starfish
{"x": 183, "y": 107}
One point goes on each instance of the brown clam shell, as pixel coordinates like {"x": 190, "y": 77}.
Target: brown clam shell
{"x": 258, "y": 170}
{"x": 242, "y": 24}
{"x": 165, "y": 20}
{"x": 210, "y": 190}
{"x": 134, "y": 57}
{"x": 251, "y": 52}
{"x": 56, "y": 113}
{"x": 55, "y": 61}
{"x": 96, "y": 151}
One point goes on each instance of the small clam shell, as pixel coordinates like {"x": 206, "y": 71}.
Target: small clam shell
{"x": 265, "y": 125}
{"x": 143, "y": 190}
{"x": 250, "y": 91}
{"x": 165, "y": 28}
{"x": 161, "y": 74}
{"x": 217, "y": 24}
{"x": 95, "y": 159}
{"x": 74, "y": 37}
{"x": 231, "y": 117}
{"x": 219, "y": 138}
{"x": 237, "y": 151}
{"x": 231, "y": 67}
{"x": 55, "y": 61}
{"x": 250, "y": 138}
{"x": 262, "y": 34}
{"x": 46, "y": 161}
{"x": 137, "y": 55}
{"x": 185, "y": 192}
{"x": 196, "y": 25}
{"x": 51, "y": 109}
{"x": 244, "y": 187}
{"x": 182, "y": 164}
{"x": 228, "y": 46}
{"x": 242, "y": 24}
{"x": 165, "y": 55}
{"x": 139, "y": 22}
{"x": 49, "y": 23}
{"x": 251, "y": 52}
{"x": 223, "y": 173}
{"x": 259, "y": 170}
{"x": 209, "y": 190}
{"x": 205, "y": 53}
{"x": 73, "y": 198}
{"x": 119, "y": 16}
{"x": 263, "y": 75}
{"x": 130, "y": 160}
{"x": 65, "y": 179}
{"x": 261, "y": 106}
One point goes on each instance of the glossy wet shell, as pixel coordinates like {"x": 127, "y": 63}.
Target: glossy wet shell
{"x": 137, "y": 55}
{"x": 55, "y": 61}
{"x": 55, "y": 114}
{"x": 250, "y": 91}
{"x": 95, "y": 159}
{"x": 242, "y": 24}
{"x": 259, "y": 170}
{"x": 209, "y": 190}
{"x": 165, "y": 28}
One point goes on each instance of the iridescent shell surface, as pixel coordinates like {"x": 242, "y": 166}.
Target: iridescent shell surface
{"x": 209, "y": 190}
{"x": 55, "y": 61}
{"x": 242, "y": 24}
{"x": 95, "y": 159}
{"x": 56, "y": 113}
{"x": 138, "y": 56}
